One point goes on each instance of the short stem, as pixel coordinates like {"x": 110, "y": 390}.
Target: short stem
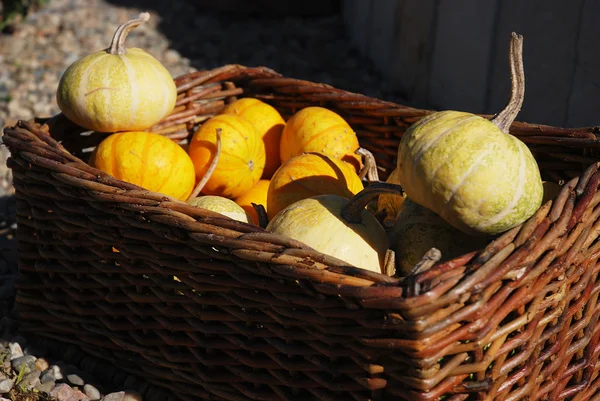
{"x": 211, "y": 168}
{"x": 369, "y": 169}
{"x": 505, "y": 118}
{"x": 117, "y": 45}
{"x": 353, "y": 209}
{"x": 263, "y": 219}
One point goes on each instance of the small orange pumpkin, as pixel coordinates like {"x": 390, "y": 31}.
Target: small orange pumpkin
{"x": 149, "y": 160}
{"x": 317, "y": 129}
{"x": 258, "y": 195}
{"x": 242, "y": 159}
{"x": 267, "y": 122}
{"x": 308, "y": 175}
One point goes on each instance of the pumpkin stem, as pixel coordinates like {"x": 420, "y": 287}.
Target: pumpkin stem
{"x": 263, "y": 219}
{"x": 369, "y": 169}
{"x": 353, "y": 209}
{"x": 505, "y": 118}
{"x": 117, "y": 45}
{"x": 211, "y": 168}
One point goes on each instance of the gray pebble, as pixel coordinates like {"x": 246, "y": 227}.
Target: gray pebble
{"x": 92, "y": 392}
{"x": 75, "y": 380}
{"x": 26, "y": 362}
{"x": 48, "y": 377}
{"x": 5, "y": 386}
{"x": 45, "y": 387}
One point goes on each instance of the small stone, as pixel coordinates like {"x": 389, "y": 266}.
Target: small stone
{"x": 92, "y": 392}
{"x": 41, "y": 364}
{"x": 5, "y": 386}
{"x": 48, "y": 377}
{"x": 172, "y": 56}
{"x": 25, "y": 362}
{"x": 56, "y": 372}
{"x": 31, "y": 379}
{"x": 114, "y": 396}
{"x": 45, "y": 387}
{"x": 15, "y": 350}
{"x": 64, "y": 392}
{"x": 75, "y": 380}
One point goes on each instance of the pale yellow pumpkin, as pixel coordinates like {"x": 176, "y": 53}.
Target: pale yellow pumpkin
{"x": 221, "y": 205}
{"x": 117, "y": 89}
{"x": 470, "y": 170}
{"x": 318, "y": 222}
{"x": 149, "y": 160}
{"x": 418, "y": 229}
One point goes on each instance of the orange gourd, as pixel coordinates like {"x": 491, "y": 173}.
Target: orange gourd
{"x": 308, "y": 175}
{"x": 258, "y": 195}
{"x": 320, "y": 130}
{"x": 242, "y": 159}
{"x": 148, "y": 160}
{"x": 267, "y": 122}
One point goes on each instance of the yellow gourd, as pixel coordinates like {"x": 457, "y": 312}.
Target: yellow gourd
{"x": 418, "y": 229}
{"x": 308, "y": 175}
{"x": 117, "y": 89}
{"x": 320, "y": 130}
{"x": 470, "y": 170}
{"x": 221, "y": 205}
{"x": 149, "y": 160}
{"x": 267, "y": 122}
{"x": 322, "y": 223}
{"x": 242, "y": 158}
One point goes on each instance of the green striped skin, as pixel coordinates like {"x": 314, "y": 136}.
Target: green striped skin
{"x": 110, "y": 93}
{"x": 465, "y": 169}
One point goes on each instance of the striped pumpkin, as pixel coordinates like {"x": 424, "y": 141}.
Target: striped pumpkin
{"x": 267, "y": 122}
{"x": 308, "y": 175}
{"x": 242, "y": 159}
{"x": 117, "y": 89}
{"x": 320, "y": 130}
{"x": 148, "y": 160}
{"x": 465, "y": 169}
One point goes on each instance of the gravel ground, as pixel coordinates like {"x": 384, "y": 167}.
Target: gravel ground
{"x": 184, "y": 38}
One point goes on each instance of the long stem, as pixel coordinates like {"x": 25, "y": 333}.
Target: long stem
{"x": 369, "y": 169}
{"x": 211, "y": 169}
{"x": 505, "y": 118}
{"x": 353, "y": 209}
{"x": 117, "y": 45}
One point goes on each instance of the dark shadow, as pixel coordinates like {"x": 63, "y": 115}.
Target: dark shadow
{"x": 311, "y": 46}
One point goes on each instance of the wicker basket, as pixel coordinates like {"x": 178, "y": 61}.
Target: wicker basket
{"x": 260, "y": 317}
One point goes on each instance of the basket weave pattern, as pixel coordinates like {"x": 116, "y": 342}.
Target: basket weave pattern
{"x": 259, "y": 316}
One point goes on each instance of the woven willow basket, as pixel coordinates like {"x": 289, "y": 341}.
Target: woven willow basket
{"x": 260, "y": 317}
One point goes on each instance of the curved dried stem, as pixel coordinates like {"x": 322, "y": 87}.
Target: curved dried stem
{"x": 117, "y": 44}
{"x": 211, "y": 169}
{"x": 353, "y": 209}
{"x": 505, "y": 118}
{"x": 263, "y": 219}
{"x": 428, "y": 260}
{"x": 369, "y": 169}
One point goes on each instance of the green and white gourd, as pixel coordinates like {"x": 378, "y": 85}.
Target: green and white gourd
{"x": 470, "y": 170}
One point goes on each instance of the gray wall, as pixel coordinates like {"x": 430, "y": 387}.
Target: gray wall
{"x": 453, "y": 54}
